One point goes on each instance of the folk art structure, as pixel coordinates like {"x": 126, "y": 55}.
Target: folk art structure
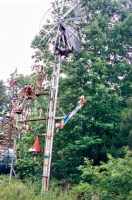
{"x": 66, "y": 17}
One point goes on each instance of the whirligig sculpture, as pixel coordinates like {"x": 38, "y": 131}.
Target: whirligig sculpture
{"x": 7, "y": 153}
{"x": 66, "y": 42}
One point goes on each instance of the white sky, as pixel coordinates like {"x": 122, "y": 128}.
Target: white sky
{"x": 19, "y": 23}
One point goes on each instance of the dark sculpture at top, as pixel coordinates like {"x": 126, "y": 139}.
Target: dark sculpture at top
{"x": 70, "y": 39}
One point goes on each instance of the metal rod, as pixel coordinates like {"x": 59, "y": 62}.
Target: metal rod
{"x": 50, "y": 128}
{"x": 38, "y": 164}
{"x": 12, "y": 161}
{"x": 38, "y": 119}
{"x": 51, "y": 118}
{"x": 32, "y": 120}
{"x": 44, "y": 94}
{"x": 13, "y": 156}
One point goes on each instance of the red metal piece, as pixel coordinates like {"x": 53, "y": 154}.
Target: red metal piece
{"x": 36, "y": 147}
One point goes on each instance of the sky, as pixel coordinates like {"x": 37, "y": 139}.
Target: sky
{"x": 19, "y": 23}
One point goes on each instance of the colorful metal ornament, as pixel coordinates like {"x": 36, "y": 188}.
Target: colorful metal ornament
{"x": 36, "y": 147}
{"x": 62, "y": 123}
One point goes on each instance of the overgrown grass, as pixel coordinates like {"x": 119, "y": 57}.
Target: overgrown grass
{"x": 28, "y": 191}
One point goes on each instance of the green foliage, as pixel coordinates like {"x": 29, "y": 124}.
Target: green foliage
{"x": 102, "y": 73}
{"x": 111, "y": 180}
{"x": 25, "y": 191}
{"x": 126, "y": 124}
{"x": 25, "y": 166}
{"x": 16, "y": 190}
{"x": 82, "y": 191}
{"x": 26, "y": 80}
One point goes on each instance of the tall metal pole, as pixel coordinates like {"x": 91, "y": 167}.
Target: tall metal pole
{"x": 52, "y": 105}
{"x": 51, "y": 123}
{"x": 51, "y": 116}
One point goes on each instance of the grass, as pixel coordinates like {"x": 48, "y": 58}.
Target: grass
{"x": 28, "y": 191}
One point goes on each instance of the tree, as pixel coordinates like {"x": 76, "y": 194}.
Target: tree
{"x": 102, "y": 73}
{"x": 110, "y": 180}
{"x": 126, "y": 124}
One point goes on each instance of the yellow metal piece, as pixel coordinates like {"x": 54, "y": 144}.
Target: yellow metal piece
{"x": 3, "y": 111}
{"x": 48, "y": 133}
{"x": 46, "y": 163}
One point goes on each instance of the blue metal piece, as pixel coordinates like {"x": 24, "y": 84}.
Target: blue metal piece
{"x": 6, "y": 157}
{"x": 66, "y": 118}
{"x": 70, "y": 115}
